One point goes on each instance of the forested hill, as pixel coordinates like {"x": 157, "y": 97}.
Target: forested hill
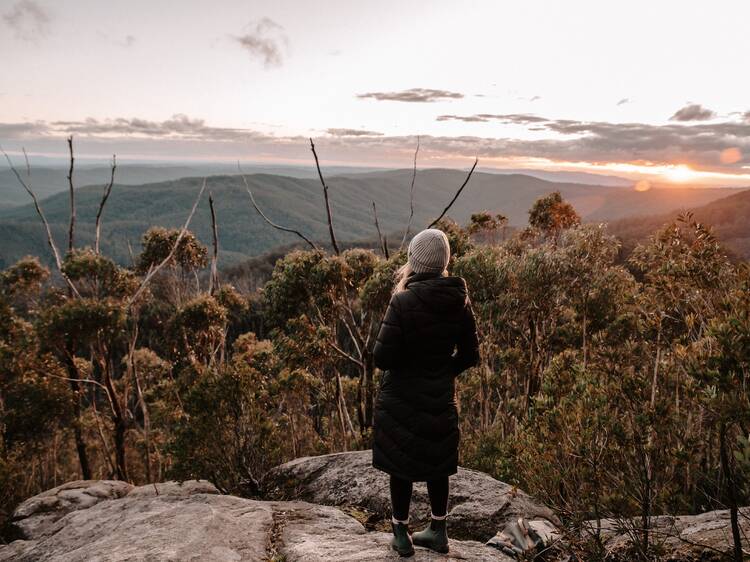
{"x": 728, "y": 217}
{"x": 298, "y": 203}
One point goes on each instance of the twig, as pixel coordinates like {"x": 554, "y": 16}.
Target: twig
{"x": 325, "y": 196}
{"x": 411, "y": 198}
{"x": 105, "y": 196}
{"x": 214, "y": 281}
{"x": 460, "y": 189}
{"x": 50, "y": 239}
{"x": 71, "y": 229}
{"x": 269, "y": 221}
{"x": 346, "y": 355}
{"x": 130, "y": 253}
{"x": 154, "y": 270}
{"x": 383, "y": 244}
{"x": 87, "y": 381}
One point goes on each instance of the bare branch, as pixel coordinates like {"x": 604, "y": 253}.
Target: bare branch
{"x": 71, "y": 229}
{"x": 105, "y": 196}
{"x": 214, "y": 281}
{"x": 325, "y": 196}
{"x": 346, "y": 355}
{"x": 154, "y": 270}
{"x": 269, "y": 221}
{"x": 411, "y": 198}
{"x": 460, "y": 189}
{"x": 383, "y": 244}
{"x": 130, "y": 253}
{"x": 50, "y": 240}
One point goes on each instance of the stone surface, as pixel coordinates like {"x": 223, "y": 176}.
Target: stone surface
{"x": 315, "y": 533}
{"x": 480, "y": 506}
{"x": 685, "y": 538}
{"x": 38, "y": 515}
{"x": 191, "y": 521}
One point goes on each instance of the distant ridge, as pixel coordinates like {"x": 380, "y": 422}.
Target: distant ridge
{"x": 298, "y": 203}
{"x": 728, "y": 216}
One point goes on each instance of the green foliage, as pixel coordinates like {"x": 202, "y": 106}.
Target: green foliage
{"x": 231, "y": 431}
{"x": 551, "y": 214}
{"x": 158, "y": 243}
{"x": 25, "y": 276}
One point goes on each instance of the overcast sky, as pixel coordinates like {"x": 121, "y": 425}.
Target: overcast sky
{"x": 653, "y": 88}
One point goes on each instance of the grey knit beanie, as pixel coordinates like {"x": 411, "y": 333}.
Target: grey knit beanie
{"x": 429, "y": 251}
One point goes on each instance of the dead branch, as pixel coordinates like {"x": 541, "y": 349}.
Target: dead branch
{"x": 214, "y": 281}
{"x": 269, "y": 221}
{"x": 460, "y": 189}
{"x": 105, "y": 196}
{"x": 154, "y": 270}
{"x": 130, "y": 253}
{"x": 411, "y": 198}
{"x": 50, "y": 240}
{"x": 325, "y": 196}
{"x": 71, "y": 229}
{"x": 383, "y": 244}
{"x": 346, "y": 355}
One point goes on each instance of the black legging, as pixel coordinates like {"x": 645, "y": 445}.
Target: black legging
{"x": 401, "y": 496}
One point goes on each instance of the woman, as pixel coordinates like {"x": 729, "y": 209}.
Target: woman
{"x": 428, "y": 337}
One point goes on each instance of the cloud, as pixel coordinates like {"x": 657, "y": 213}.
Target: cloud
{"x": 265, "y": 40}
{"x": 623, "y": 101}
{"x": 535, "y": 98}
{"x": 353, "y": 133}
{"x": 597, "y": 141}
{"x": 179, "y": 126}
{"x": 414, "y": 95}
{"x": 693, "y": 112}
{"x": 28, "y": 20}
{"x": 718, "y": 146}
{"x": 508, "y": 119}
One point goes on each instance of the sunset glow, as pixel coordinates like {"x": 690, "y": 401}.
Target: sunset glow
{"x": 680, "y": 174}
{"x": 261, "y": 79}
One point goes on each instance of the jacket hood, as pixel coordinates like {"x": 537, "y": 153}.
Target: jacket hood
{"x": 437, "y": 291}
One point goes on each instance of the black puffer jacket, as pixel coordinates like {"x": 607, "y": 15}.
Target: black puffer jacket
{"x": 428, "y": 336}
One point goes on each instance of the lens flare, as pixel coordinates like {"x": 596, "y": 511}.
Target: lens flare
{"x": 643, "y": 185}
{"x": 730, "y": 155}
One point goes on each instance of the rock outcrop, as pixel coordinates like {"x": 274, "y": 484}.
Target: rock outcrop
{"x": 112, "y": 521}
{"x": 704, "y": 537}
{"x": 480, "y": 506}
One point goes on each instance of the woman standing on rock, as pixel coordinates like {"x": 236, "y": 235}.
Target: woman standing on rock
{"x": 427, "y": 338}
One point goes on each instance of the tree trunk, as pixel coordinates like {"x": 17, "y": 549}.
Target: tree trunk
{"x": 369, "y": 369}
{"x": 731, "y": 492}
{"x": 120, "y": 427}
{"x": 75, "y": 386}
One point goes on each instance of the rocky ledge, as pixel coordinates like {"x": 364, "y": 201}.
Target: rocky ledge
{"x": 108, "y": 521}
{"x": 342, "y": 518}
{"x": 480, "y": 506}
{"x": 332, "y": 507}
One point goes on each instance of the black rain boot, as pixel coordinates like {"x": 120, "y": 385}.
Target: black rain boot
{"x": 434, "y": 536}
{"x": 401, "y": 541}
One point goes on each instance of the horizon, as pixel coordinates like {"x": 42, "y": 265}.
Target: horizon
{"x": 252, "y": 83}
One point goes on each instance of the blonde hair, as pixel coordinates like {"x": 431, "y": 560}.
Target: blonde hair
{"x": 402, "y": 276}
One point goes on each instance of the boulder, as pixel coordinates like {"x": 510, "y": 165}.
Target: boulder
{"x": 190, "y": 521}
{"x": 684, "y": 538}
{"x": 316, "y": 533}
{"x": 38, "y": 515}
{"x": 480, "y": 506}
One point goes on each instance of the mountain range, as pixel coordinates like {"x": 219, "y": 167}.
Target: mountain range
{"x": 298, "y": 203}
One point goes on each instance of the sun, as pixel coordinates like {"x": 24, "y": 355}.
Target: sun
{"x": 680, "y": 173}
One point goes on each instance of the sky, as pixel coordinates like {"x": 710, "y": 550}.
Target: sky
{"x": 643, "y": 89}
